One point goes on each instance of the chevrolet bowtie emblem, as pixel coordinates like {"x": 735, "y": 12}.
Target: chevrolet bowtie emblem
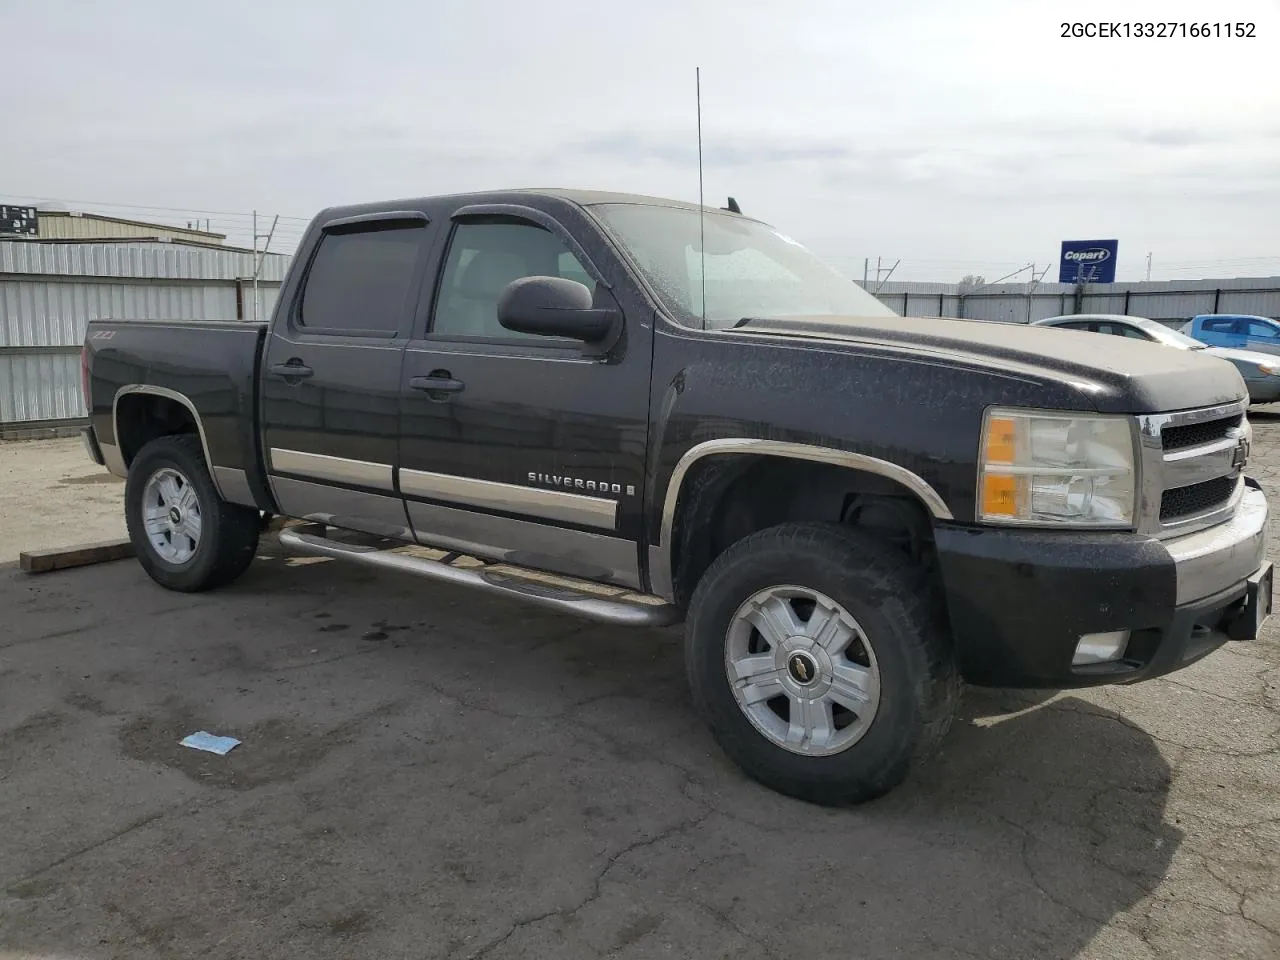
{"x": 1240, "y": 456}
{"x": 802, "y": 668}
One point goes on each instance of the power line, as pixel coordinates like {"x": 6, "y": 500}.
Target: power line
{"x": 247, "y": 215}
{"x": 1193, "y": 264}
{"x": 979, "y": 263}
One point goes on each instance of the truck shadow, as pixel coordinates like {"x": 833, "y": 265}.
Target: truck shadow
{"x": 1083, "y": 792}
{"x": 1043, "y": 818}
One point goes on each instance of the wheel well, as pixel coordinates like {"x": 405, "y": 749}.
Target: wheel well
{"x": 142, "y": 417}
{"x": 726, "y": 498}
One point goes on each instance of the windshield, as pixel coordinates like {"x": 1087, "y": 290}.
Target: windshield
{"x": 751, "y": 270}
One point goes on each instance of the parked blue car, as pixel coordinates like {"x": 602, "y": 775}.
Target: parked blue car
{"x": 1239, "y": 330}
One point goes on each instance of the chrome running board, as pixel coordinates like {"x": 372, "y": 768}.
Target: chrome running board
{"x": 582, "y": 598}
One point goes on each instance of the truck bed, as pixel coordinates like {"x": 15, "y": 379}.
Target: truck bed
{"x": 213, "y": 364}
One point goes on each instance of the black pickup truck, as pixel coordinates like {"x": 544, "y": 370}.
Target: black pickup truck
{"x": 643, "y": 412}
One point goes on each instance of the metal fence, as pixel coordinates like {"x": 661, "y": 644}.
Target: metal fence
{"x": 50, "y": 291}
{"x": 1170, "y": 301}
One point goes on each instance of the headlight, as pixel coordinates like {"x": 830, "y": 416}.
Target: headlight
{"x": 1270, "y": 369}
{"x": 1056, "y": 468}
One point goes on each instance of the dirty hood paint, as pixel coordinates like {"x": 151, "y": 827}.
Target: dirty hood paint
{"x": 1117, "y": 374}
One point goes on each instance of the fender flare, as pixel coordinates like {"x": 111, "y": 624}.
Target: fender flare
{"x": 148, "y": 389}
{"x": 661, "y": 576}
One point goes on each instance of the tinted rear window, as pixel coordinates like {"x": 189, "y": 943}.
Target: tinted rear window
{"x": 364, "y": 281}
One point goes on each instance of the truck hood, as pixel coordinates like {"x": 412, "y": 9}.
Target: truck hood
{"x": 1111, "y": 374}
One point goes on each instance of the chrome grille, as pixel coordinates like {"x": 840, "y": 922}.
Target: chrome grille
{"x": 1198, "y": 434}
{"x": 1192, "y": 468}
{"x": 1188, "y": 501}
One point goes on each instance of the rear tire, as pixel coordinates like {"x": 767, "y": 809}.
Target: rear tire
{"x": 817, "y": 659}
{"x": 185, "y": 536}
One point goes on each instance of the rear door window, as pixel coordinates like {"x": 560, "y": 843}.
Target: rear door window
{"x": 364, "y": 281}
{"x": 1133, "y": 333}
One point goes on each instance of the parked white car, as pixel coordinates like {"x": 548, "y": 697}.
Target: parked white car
{"x": 1261, "y": 371}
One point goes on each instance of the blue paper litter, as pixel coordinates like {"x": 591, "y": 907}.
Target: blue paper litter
{"x": 209, "y": 743}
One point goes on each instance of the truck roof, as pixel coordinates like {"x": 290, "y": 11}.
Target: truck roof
{"x": 582, "y": 198}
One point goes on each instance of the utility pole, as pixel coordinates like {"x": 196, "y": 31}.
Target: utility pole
{"x": 1031, "y": 287}
{"x": 1084, "y": 276}
{"x": 887, "y": 274}
{"x": 1036, "y": 280}
{"x": 1148, "y": 266}
{"x": 866, "y": 265}
{"x": 259, "y": 257}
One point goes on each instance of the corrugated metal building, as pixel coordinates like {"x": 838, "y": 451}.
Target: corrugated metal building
{"x": 49, "y": 291}
{"x": 74, "y": 225}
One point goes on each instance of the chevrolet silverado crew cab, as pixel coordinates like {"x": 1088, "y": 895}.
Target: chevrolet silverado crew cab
{"x": 647, "y": 412}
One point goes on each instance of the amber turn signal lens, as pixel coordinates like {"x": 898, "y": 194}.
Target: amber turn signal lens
{"x": 999, "y": 495}
{"x": 1000, "y": 440}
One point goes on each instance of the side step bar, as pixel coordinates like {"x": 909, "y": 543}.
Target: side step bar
{"x": 583, "y": 598}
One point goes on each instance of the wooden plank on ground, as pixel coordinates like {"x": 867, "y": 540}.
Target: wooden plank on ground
{"x": 45, "y": 561}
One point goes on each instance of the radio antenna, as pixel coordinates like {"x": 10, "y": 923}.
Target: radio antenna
{"x": 702, "y": 227}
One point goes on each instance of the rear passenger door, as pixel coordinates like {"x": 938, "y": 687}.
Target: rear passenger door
{"x": 520, "y": 447}
{"x": 331, "y": 377}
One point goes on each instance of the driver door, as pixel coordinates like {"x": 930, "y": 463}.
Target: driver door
{"x": 519, "y": 447}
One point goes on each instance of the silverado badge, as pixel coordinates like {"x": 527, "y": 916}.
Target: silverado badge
{"x": 577, "y": 483}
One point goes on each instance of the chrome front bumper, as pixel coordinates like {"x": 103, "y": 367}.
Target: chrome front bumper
{"x": 1223, "y": 556}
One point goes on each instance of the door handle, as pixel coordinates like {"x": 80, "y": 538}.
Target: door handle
{"x": 293, "y": 370}
{"x": 437, "y": 386}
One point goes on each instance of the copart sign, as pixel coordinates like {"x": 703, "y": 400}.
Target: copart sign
{"x": 1088, "y": 261}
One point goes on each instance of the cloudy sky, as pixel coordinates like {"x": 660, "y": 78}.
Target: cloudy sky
{"x": 958, "y": 136}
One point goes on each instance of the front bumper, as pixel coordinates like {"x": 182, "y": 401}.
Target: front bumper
{"x": 1020, "y": 600}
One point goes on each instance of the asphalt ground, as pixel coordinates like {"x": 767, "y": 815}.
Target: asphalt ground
{"x": 428, "y": 773}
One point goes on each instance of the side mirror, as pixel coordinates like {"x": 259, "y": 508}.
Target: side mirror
{"x": 554, "y": 307}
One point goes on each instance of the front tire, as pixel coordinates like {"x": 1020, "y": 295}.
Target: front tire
{"x": 815, "y": 656}
{"x": 185, "y": 536}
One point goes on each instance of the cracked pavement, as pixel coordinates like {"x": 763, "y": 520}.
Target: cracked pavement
{"x": 426, "y": 773}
